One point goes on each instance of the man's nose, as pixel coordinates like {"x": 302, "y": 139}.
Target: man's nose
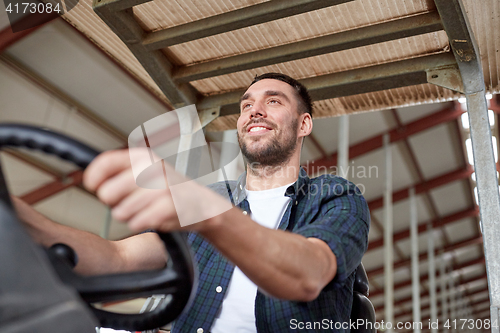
{"x": 258, "y": 110}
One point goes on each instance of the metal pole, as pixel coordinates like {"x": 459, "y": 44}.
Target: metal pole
{"x": 388, "y": 234}
{"x": 432, "y": 276}
{"x": 444, "y": 296}
{"x": 228, "y": 171}
{"x": 489, "y": 199}
{"x": 453, "y": 303}
{"x": 343, "y": 155}
{"x": 468, "y": 58}
{"x": 191, "y": 136}
{"x": 415, "y": 275}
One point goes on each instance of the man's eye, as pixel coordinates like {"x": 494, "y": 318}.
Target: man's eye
{"x": 246, "y": 106}
{"x": 274, "y": 101}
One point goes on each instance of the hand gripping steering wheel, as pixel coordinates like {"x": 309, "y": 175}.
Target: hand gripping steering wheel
{"x": 177, "y": 279}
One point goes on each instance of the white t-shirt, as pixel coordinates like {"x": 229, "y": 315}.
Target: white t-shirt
{"x": 237, "y": 314}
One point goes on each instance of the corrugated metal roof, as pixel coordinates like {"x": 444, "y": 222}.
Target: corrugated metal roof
{"x": 299, "y": 27}
{"x": 484, "y": 17}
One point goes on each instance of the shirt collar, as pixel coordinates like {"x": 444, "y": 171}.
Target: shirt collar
{"x": 293, "y": 190}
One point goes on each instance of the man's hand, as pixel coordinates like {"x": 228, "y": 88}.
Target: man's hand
{"x": 110, "y": 176}
{"x": 182, "y": 204}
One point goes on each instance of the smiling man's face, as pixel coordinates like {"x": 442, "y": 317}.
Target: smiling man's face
{"x": 268, "y": 123}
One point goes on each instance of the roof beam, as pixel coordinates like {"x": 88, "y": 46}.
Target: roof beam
{"x": 377, "y": 33}
{"x": 20, "y": 28}
{"x": 52, "y": 90}
{"x": 425, "y": 307}
{"x": 407, "y": 299}
{"x": 425, "y": 277}
{"x": 396, "y": 134}
{"x": 467, "y": 293}
{"x": 75, "y": 178}
{"x": 423, "y": 256}
{"x": 412, "y": 162}
{"x": 423, "y": 294}
{"x": 317, "y": 145}
{"x": 357, "y": 81}
{"x": 235, "y": 19}
{"x": 34, "y": 162}
{"x": 125, "y": 26}
{"x": 45, "y": 191}
{"x": 151, "y": 92}
{"x": 424, "y": 186}
{"x": 471, "y": 212}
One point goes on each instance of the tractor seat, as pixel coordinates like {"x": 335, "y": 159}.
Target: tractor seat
{"x": 362, "y": 308}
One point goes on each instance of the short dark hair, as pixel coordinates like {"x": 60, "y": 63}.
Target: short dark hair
{"x": 305, "y": 103}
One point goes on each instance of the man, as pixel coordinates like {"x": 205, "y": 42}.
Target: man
{"x": 295, "y": 241}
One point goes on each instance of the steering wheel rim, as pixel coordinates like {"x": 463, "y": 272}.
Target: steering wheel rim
{"x": 177, "y": 279}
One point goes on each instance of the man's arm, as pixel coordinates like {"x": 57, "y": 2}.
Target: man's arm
{"x": 283, "y": 264}
{"x": 95, "y": 254}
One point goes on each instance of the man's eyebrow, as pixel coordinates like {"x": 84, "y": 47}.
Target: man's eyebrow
{"x": 245, "y": 96}
{"x": 267, "y": 93}
{"x": 276, "y": 93}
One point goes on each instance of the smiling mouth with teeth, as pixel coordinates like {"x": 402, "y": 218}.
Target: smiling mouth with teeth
{"x": 256, "y": 129}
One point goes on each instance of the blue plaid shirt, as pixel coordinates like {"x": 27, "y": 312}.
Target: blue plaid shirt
{"x": 329, "y": 208}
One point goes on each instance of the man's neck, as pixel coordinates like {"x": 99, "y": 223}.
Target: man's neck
{"x": 268, "y": 177}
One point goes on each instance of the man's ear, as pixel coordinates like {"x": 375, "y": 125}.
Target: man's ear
{"x": 306, "y": 125}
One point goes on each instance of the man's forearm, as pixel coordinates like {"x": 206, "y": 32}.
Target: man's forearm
{"x": 95, "y": 254}
{"x": 285, "y": 265}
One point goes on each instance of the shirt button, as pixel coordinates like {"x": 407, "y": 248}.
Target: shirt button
{"x": 218, "y": 289}
{"x": 296, "y": 203}
{"x": 245, "y": 212}
{"x": 199, "y": 330}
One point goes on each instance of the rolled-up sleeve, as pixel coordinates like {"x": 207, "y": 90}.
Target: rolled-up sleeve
{"x": 341, "y": 220}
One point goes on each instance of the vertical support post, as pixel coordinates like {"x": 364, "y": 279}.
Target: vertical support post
{"x": 343, "y": 151}
{"x": 388, "y": 236}
{"x": 444, "y": 295}
{"x": 415, "y": 275}
{"x": 453, "y": 301}
{"x": 229, "y": 171}
{"x": 487, "y": 188}
{"x": 432, "y": 275}
{"x": 191, "y": 136}
{"x": 466, "y": 52}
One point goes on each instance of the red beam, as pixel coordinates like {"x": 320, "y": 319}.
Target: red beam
{"x": 36, "y": 21}
{"x": 427, "y": 306}
{"x": 439, "y": 314}
{"x": 75, "y": 178}
{"x": 495, "y": 104}
{"x": 396, "y": 134}
{"x": 409, "y": 299}
{"x": 45, "y": 191}
{"x": 423, "y": 256}
{"x": 437, "y": 223}
{"x": 426, "y": 276}
{"x": 482, "y": 300}
{"x": 426, "y": 293}
{"x": 423, "y": 186}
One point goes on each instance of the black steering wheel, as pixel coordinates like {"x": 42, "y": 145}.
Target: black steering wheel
{"x": 177, "y": 279}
